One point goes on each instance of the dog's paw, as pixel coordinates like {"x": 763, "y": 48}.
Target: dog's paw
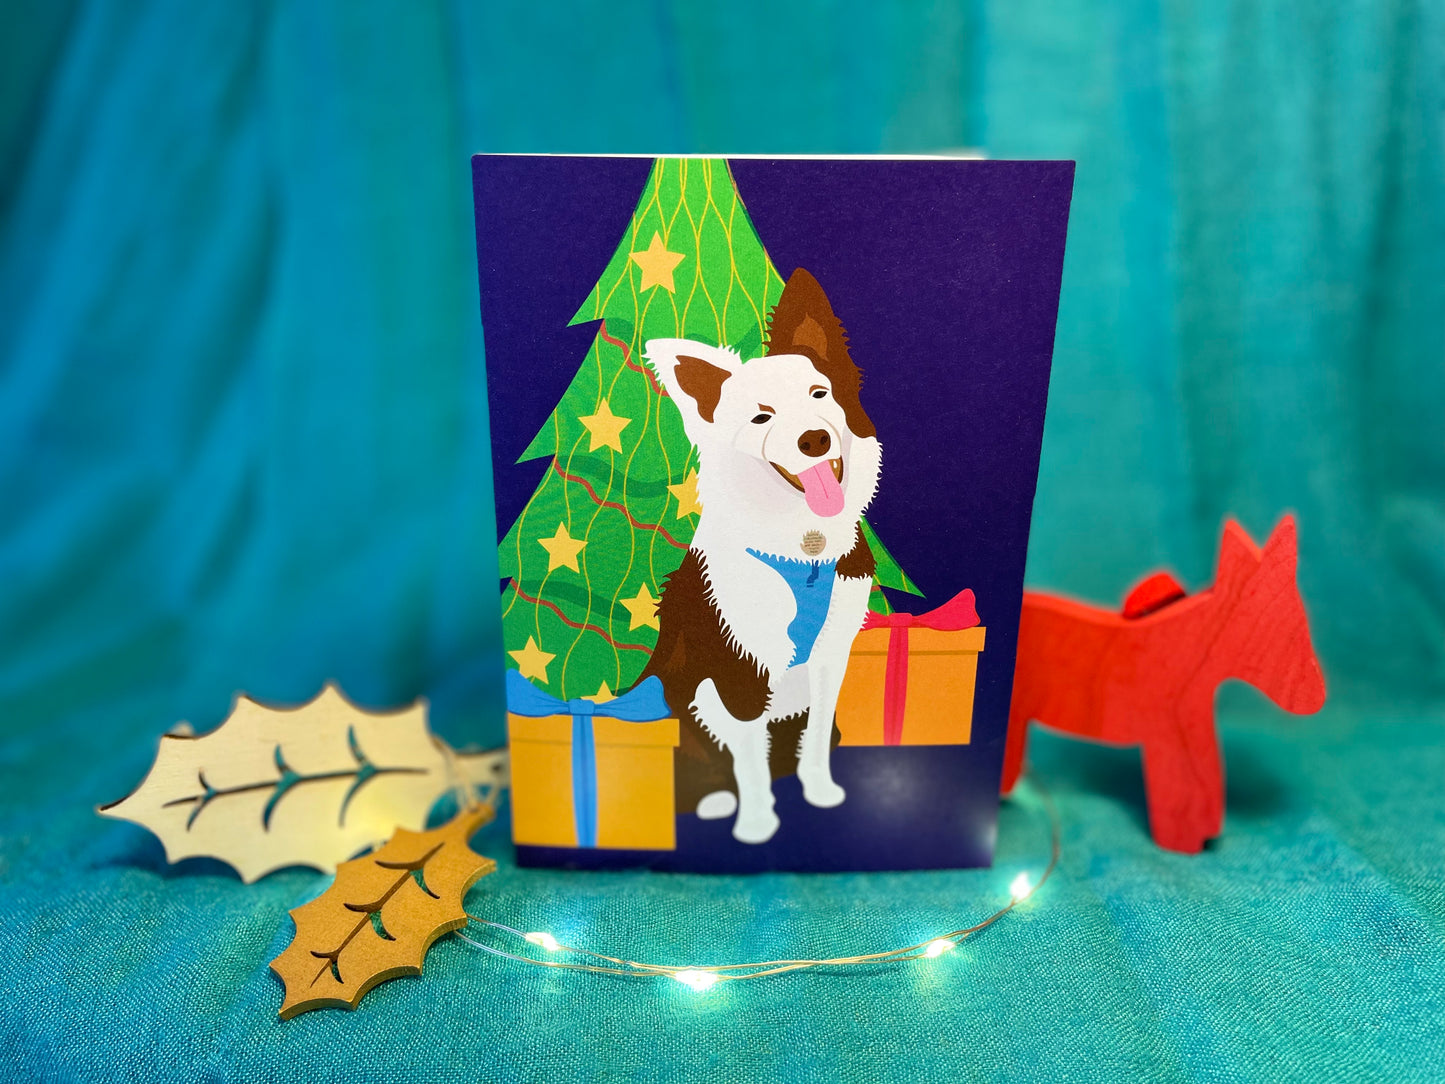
{"x": 823, "y": 793}
{"x": 756, "y": 829}
{"x": 717, "y": 805}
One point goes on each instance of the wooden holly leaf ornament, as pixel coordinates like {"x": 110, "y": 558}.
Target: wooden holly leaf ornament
{"x": 381, "y": 915}
{"x": 309, "y": 786}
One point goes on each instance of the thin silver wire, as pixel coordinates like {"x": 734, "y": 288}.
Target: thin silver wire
{"x": 761, "y": 968}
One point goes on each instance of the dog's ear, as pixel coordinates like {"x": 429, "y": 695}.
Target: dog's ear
{"x": 692, "y": 374}
{"x": 803, "y": 321}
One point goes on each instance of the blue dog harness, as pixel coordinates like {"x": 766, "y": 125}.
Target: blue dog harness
{"x": 812, "y": 585}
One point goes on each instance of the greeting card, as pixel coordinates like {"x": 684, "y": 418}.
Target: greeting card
{"x": 765, "y": 439}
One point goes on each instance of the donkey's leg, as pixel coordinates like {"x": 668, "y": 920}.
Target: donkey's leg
{"x": 747, "y": 741}
{"x": 1196, "y": 716}
{"x": 1183, "y": 784}
{"x": 1166, "y": 778}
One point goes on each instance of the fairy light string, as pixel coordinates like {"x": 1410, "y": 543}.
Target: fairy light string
{"x": 700, "y": 977}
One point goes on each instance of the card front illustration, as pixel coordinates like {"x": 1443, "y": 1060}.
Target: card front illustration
{"x": 742, "y": 581}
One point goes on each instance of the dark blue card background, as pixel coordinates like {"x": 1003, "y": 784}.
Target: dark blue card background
{"x": 946, "y": 276}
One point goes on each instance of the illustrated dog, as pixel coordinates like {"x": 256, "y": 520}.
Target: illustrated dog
{"x": 756, "y": 625}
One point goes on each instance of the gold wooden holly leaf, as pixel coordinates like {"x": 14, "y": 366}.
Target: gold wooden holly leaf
{"x": 381, "y": 915}
{"x": 307, "y": 786}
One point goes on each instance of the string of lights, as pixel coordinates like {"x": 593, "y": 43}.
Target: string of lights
{"x": 700, "y": 977}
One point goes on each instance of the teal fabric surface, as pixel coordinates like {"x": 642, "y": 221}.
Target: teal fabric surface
{"x": 243, "y": 445}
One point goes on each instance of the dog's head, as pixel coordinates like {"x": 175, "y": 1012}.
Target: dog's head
{"x": 796, "y": 409}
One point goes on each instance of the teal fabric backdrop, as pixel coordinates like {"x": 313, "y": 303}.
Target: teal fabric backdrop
{"x": 243, "y": 445}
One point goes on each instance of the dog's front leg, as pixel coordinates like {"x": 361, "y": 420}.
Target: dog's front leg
{"x": 747, "y": 741}
{"x": 826, "y": 667}
{"x": 815, "y": 770}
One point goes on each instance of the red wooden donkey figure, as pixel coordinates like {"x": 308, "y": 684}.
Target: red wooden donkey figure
{"x": 1147, "y": 676}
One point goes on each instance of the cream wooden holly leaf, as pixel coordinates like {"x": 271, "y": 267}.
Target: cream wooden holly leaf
{"x": 381, "y": 915}
{"x": 307, "y": 786}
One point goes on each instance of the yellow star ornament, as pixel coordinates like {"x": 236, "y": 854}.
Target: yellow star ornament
{"x": 562, "y": 549}
{"x": 686, "y": 493}
{"x": 532, "y": 661}
{"x": 604, "y": 427}
{"x": 602, "y": 695}
{"x": 657, "y": 264}
{"x": 643, "y": 609}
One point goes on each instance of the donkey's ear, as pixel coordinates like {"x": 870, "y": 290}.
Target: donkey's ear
{"x": 1238, "y": 555}
{"x": 1283, "y": 544}
{"x": 692, "y": 374}
{"x": 803, "y": 318}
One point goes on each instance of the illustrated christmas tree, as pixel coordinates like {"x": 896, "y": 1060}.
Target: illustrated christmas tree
{"x": 613, "y": 516}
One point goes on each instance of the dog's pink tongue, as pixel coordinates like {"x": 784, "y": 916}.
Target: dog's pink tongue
{"x": 821, "y": 490}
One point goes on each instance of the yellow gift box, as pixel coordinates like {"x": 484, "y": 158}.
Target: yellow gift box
{"x": 633, "y": 782}
{"x": 910, "y": 685}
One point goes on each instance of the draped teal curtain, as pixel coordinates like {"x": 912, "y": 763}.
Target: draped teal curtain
{"x": 242, "y": 429}
{"x": 243, "y": 435}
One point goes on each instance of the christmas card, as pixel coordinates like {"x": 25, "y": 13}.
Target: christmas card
{"x": 765, "y": 439}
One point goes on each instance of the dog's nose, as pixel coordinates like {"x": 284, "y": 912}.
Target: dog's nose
{"x": 815, "y": 442}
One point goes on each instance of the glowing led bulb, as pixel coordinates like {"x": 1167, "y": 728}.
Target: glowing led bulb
{"x": 1021, "y": 887}
{"x": 698, "y": 980}
{"x": 546, "y": 940}
{"x": 938, "y": 947}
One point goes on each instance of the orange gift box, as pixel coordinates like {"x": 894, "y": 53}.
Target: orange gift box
{"x": 911, "y": 677}
{"x": 585, "y": 779}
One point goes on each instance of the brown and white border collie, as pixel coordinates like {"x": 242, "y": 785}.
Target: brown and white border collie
{"x": 756, "y": 625}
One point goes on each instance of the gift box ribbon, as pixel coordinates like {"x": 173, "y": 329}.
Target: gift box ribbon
{"x": 955, "y": 614}
{"x": 644, "y": 703}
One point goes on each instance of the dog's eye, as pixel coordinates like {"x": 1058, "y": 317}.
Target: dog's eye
{"x": 820, "y": 393}
{"x": 762, "y": 419}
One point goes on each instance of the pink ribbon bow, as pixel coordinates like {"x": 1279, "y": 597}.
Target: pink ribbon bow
{"x": 955, "y": 614}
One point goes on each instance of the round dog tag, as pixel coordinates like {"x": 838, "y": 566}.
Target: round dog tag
{"x": 814, "y": 543}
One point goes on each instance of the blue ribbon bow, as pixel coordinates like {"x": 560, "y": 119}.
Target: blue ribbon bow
{"x": 644, "y": 703}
